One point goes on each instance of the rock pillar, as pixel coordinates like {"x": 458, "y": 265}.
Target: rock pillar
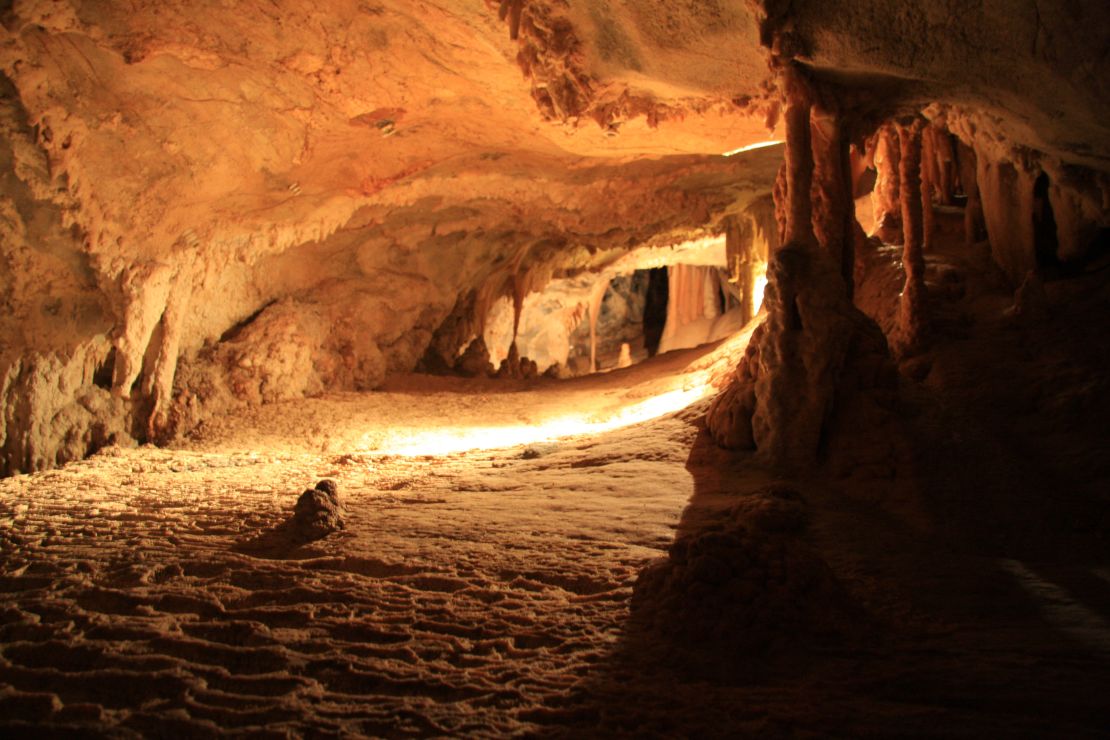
{"x": 834, "y": 209}
{"x": 785, "y": 388}
{"x": 885, "y": 198}
{"x": 913, "y": 310}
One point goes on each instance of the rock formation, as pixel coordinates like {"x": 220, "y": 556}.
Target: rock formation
{"x": 207, "y": 205}
{"x": 318, "y": 512}
{"x": 786, "y": 386}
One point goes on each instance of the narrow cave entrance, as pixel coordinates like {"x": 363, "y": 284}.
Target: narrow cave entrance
{"x": 655, "y": 309}
{"x": 1046, "y": 242}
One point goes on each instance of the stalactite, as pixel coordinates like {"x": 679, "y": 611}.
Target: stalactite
{"x": 1006, "y": 189}
{"x": 691, "y": 297}
{"x": 145, "y": 289}
{"x": 860, "y": 161}
{"x": 165, "y": 365}
{"x": 1080, "y": 209}
{"x": 912, "y": 312}
{"x": 885, "y": 199}
{"x": 511, "y": 9}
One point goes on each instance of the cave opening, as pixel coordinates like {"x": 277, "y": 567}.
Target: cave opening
{"x": 655, "y": 309}
{"x": 652, "y": 300}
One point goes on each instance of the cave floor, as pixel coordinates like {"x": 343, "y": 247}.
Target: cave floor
{"x": 487, "y": 592}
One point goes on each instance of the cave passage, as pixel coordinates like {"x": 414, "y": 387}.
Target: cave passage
{"x": 652, "y": 300}
{"x": 502, "y": 368}
{"x": 655, "y": 309}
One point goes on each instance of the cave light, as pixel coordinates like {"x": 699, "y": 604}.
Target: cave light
{"x": 759, "y": 285}
{"x": 451, "y": 440}
{"x": 750, "y": 147}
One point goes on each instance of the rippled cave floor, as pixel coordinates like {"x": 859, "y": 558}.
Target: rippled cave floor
{"x": 487, "y": 593}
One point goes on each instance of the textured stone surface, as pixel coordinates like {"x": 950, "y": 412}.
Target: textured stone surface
{"x": 318, "y": 512}
{"x": 747, "y": 585}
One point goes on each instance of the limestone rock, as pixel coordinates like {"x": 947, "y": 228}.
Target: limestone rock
{"x": 318, "y": 512}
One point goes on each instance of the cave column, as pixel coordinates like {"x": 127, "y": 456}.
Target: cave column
{"x": 145, "y": 289}
{"x": 518, "y": 308}
{"x": 799, "y": 162}
{"x": 778, "y": 201}
{"x": 518, "y": 304}
{"x": 885, "y": 199}
{"x": 912, "y": 313}
{"x": 945, "y": 178}
{"x": 833, "y": 215}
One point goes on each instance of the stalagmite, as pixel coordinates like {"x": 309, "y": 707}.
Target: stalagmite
{"x": 912, "y": 311}
{"x": 885, "y": 198}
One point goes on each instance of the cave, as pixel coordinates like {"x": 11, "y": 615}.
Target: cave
{"x": 373, "y": 368}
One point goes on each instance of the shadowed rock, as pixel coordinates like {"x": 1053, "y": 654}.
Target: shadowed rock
{"x": 318, "y": 512}
{"x": 749, "y": 584}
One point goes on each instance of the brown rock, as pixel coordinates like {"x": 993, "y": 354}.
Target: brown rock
{"x": 318, "y": 512}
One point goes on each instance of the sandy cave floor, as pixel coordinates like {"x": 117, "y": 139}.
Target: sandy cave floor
{"x": 487, "y": 592}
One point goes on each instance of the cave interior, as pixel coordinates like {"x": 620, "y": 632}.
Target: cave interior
{"x": 554, "y": 368}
